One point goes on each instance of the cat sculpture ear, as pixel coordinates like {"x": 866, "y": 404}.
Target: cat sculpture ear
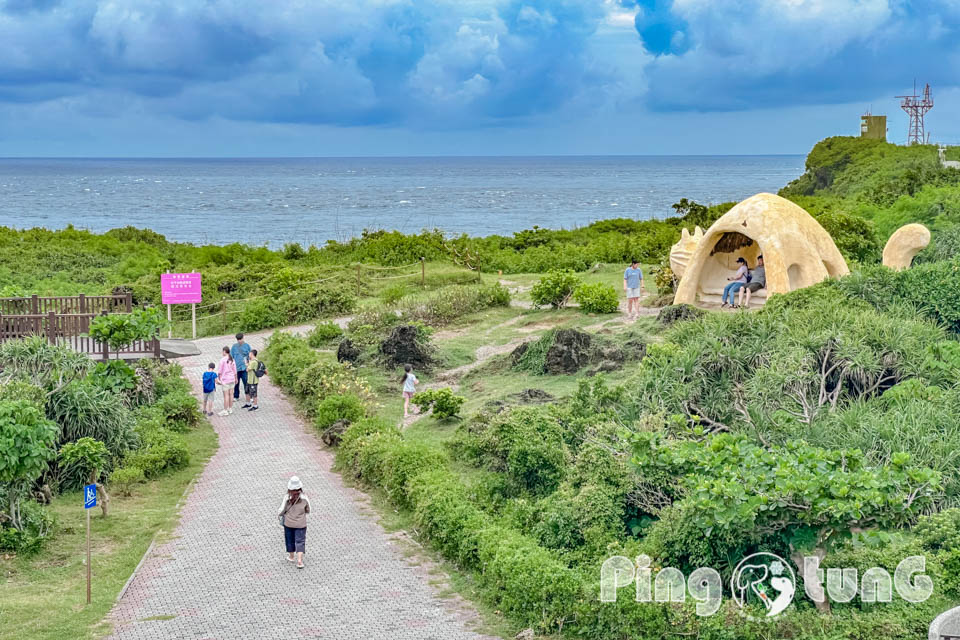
{"x": 681, "y": 252}
{"x": 905, "y": 243}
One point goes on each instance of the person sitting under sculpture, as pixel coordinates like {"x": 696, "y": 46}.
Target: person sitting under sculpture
{"x": 758, "y": 280}
{"x": 739, "y": 279}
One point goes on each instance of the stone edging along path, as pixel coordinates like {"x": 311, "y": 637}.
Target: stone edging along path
{"x": 223, "y": 573}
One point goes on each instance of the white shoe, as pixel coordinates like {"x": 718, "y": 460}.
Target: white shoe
{"x": 231, "y": 411}
{"x": 224, "y": 413}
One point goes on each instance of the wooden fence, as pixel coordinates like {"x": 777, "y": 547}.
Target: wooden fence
{"x": 81, "y": 304}
{"x": 60, "y": 321}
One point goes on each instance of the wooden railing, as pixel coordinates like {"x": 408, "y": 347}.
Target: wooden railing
{"x": 17, "y": 320}
{"x": 81, "y": 304}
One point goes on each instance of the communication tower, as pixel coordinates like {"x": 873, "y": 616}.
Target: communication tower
{"x": 916, "y": 107}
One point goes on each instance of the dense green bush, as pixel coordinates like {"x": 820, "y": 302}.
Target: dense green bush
{"x": 27, "y": 441}
{"x": 123, "y": 479}
{"x": 117, "y": 377}
{"x": 778, "y": 371}
{"x": 855, "y": 237}
{"x": 177, "y": 411}
{"x": 323, "y": 334}
{"x": 803, "y": 494}
{"x": 526, "y": 444}
{"x": 82, "y": 409}
{"x": 86, "y": 457}
{"x": 442, "y": 402}
{"x": 338, "y": 407}
{"x": 555, "y": 288}
{"x": 597, "y": 298}
{"x": 160, "y": 450}
{"x": 287, "y": 356}
{"x": 36, "y": 523}
{"x": 433, "y": 308}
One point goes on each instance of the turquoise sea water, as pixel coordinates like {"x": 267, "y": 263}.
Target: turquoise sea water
{"x": 312, "y": 200}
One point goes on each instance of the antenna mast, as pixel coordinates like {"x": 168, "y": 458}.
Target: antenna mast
{"x": 916, "y": 107}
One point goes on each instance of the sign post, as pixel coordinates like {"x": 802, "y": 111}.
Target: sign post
{"x": 182, "y": 288}
{"x": 89, "y": 502}
{"x": 169, "y": 320}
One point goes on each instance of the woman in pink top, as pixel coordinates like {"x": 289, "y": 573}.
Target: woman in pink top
{"x": 227, "y": 377}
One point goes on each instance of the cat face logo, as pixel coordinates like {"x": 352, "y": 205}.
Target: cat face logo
{"x": 766, "y": 579}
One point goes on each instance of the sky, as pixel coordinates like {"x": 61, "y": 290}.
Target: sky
{"x": 465, "y": 77}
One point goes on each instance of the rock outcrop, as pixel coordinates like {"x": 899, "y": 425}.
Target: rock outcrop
{"x": 405, "y": 345}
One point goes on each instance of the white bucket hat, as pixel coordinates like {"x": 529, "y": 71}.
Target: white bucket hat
{"x": 294, "y": 483}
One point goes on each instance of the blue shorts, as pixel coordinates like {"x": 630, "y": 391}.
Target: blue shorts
{"x": 296, "y": 539}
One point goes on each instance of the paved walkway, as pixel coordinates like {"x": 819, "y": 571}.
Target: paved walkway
{"x": 224, "y": 574}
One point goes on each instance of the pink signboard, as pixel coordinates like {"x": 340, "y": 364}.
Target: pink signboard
{"x": 180, "y": 288}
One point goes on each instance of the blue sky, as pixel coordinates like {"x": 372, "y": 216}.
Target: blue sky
{"x": 405, "y": 77}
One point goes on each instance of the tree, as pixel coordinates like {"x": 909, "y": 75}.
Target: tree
{"x": 120, "y": 330}
{"x": 27, "y": 441}
{"x": 91, "y": 457}
{"x": 808, "y": 496}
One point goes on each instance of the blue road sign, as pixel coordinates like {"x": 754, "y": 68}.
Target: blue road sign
{"x": 89, "y": 496}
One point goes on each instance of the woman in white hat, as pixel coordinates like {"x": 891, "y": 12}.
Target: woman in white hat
{"x": 293, "y": 516}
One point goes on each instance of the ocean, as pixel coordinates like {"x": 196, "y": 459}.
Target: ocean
{"x": 273, "y": 201}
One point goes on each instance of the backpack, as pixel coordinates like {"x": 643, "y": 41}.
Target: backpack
{"x": 749, "y": 276}
{"x": 261, "y": 369}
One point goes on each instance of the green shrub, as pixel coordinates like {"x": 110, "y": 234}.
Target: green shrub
{"x": 524, "y": 443}
{"x": 433, "y": 308}
{"x": 443, "y": 402}
{"x": 287, "y": 356}
{"x": 82, "y": 409}
{"x": 120, "y": 330}
{"x": 323, "y": 334}
{"x": 339, "y": 407}
{"x": 395, "y": 292}
{"x": 161, "y": 450}
{"x": 855, "y": 237}
{"x": 177, "y": 411}
{"x": 664, "y": 279}
{"x": 87, "y": 457}
{"x": 939, "y": 531}
{"x": 27, "y": 441}
{"x": 116, "y": 377}
{"x": 262, "y": 313}
{"x": 310, "y": 303}
{"x": 554, "y": 289}
{"x": 324, "y": 378}
{"x": 597, "y": 298}
{"x": 123, "y": 479}
{"x": 36, "y": 525}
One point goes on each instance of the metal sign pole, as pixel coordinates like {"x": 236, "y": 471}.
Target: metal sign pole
{"x": 88, "y": 555}
{"x": 169, "y": 318}
{"x": 193, "y": 314}
{"x": 89, "y": 502}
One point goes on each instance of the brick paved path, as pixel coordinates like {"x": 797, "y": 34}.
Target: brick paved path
{"x": 224, "y": 573}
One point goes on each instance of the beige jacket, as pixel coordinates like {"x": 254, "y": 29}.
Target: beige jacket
{"x": 296, "y": 516}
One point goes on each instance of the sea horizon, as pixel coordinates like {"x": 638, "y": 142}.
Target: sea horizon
{"x": 313, "y": 200}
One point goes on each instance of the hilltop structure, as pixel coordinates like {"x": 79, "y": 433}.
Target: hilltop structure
{"x": 873, "y": 127}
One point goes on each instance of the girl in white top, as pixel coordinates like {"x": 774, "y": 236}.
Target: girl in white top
{"x": 409, "y": 387}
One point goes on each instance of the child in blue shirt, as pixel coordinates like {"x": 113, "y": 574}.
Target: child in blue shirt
{"x": 209, "y": 387}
